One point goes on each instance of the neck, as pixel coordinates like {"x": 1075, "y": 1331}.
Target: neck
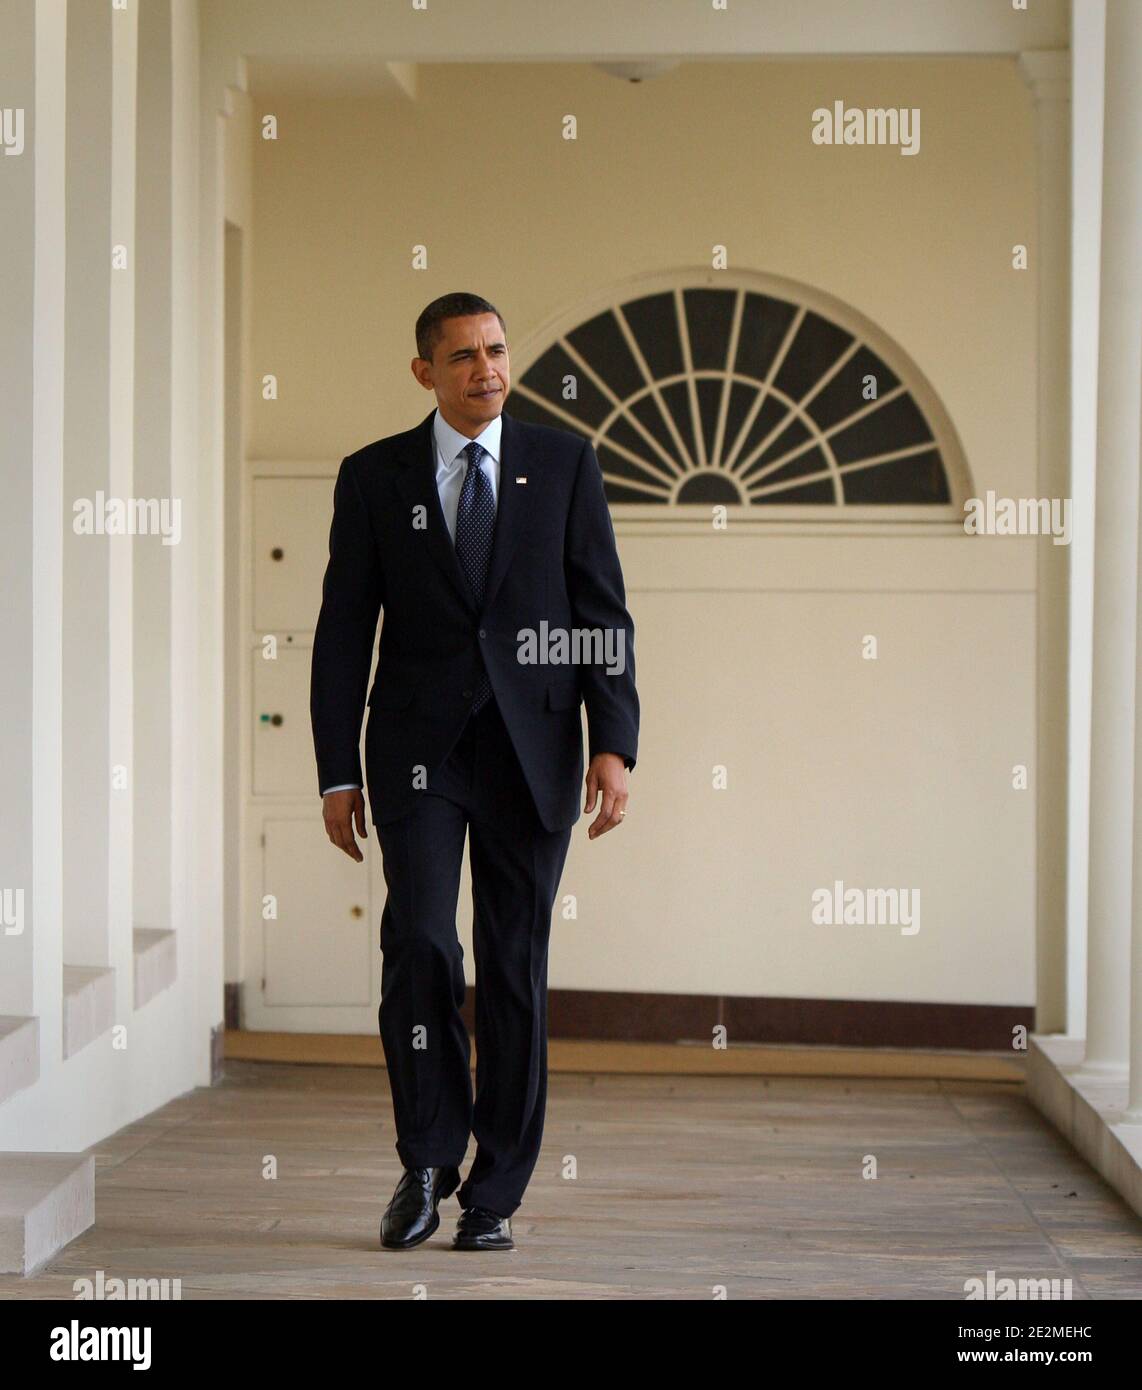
{"x": 465, "y": 428}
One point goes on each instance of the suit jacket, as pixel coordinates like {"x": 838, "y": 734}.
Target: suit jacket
{"x": 554, "y": 566}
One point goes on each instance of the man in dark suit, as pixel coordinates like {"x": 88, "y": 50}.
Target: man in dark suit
{"x": 488, "y": 544}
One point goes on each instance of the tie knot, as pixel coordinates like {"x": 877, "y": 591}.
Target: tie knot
{"x": 475, "y": 453}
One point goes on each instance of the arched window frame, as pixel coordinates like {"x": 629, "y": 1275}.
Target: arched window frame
{"x": 860, "y": 518}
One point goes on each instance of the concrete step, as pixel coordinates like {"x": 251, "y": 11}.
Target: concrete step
{"x": 46, "y": 1200}
{"x": 156, "y": 962}
{"x": 19, "y": 1054}
{"x": 88, "y": 1005}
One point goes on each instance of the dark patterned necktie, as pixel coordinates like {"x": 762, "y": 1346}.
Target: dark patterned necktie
{"x": 475, "y": 525}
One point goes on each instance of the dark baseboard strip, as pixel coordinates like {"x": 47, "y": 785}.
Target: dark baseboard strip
{"x": 621, "y": 1016}
{"x": 630, "y": 1017}
{"x": 232, "y": 1006}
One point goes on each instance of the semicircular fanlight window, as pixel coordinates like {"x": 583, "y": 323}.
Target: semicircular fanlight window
{"x": 699, "y": 395}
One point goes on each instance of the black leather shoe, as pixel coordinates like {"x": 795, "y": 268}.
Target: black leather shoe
{"x": 481, "y": 1229}
{"x": 411, "y": 1217}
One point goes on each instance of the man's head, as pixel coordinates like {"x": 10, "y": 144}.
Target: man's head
{"x": 461, "y": 342}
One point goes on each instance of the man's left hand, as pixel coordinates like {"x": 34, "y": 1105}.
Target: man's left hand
{"x": 607, "y": 774}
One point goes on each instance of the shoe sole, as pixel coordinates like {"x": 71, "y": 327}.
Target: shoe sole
{"x": 473, "y": 1245}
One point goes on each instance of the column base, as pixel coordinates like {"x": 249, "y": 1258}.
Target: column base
{"x": 1089, "y": 1108}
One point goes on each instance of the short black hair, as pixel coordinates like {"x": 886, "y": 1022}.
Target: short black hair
{"x": 449, "y": 306}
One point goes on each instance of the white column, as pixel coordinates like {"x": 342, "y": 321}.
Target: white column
{"x": 1088, "y": 52}
{"x": 1120, "y": 395}
{"x": 197, "y": 589}
{"x": 86, "y": 711}
{"x": 17, "y": 453}
{"x": 31, "y": 456}
{"x": 48, "y": 520}
{"x": 152, "y": 471}
{"x": 64, "y": 391}
{"x": 1116, "y": 552}
{"x": 1047, "y": 74}
{"x": 121, "y": 556}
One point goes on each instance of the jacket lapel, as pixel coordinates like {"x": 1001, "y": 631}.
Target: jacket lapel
{"x": 417, "y": 484}
{"x": 512, "y": 503}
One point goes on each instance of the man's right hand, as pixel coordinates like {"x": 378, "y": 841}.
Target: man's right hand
{"x": 340, "y": 809}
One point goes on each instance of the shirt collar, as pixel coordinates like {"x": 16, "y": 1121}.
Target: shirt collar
{"x": 450, "y": 442}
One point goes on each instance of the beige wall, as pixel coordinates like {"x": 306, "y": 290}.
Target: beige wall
{"x": 748, "y": 647}
{"x": 475, "y": 169}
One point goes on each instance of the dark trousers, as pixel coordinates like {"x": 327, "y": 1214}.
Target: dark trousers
{"x": 515, "y": 866}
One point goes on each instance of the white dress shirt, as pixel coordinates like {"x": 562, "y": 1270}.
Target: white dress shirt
{"x": 451, "y": 465}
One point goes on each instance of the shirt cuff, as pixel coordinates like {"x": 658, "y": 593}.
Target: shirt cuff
{"x": 342, "y": 787}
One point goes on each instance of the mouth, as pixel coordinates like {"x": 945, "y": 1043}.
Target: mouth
{"x": 486, "y": 395}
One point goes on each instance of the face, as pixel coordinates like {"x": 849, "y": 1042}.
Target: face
{"x": 469, "y": 372}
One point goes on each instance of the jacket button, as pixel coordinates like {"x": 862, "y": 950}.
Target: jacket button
{"x": 467, "y": 694}
{"x": 483, "y": 633}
